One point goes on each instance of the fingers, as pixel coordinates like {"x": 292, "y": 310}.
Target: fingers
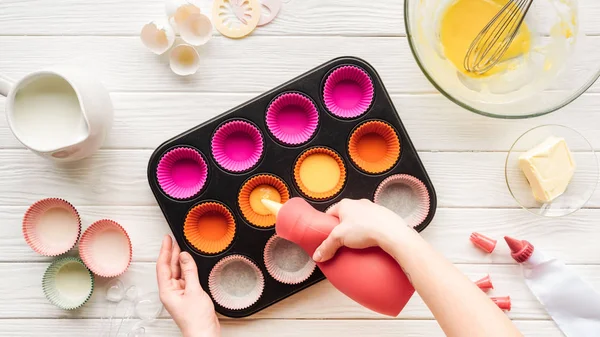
{"x": 334, "y": 210}
{"x": 189, "y": 272}
{"x": 175, "y": 268}
{"x": 163, "y": 269}
{"x": 330, "y": 246}
{"x": 341, "y": 209}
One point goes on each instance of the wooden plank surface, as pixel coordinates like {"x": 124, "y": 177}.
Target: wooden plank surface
{"x": 23, "y": 298}
{"x": 449, "y": 233}
{"x": 297, "y": 18}
{"x": 255, "y": 64}
{"x": 463, "y": 152}
{"x": 145, "y": 120}
{"x": 118, "y": 177}
{"x": 259, "y": 328}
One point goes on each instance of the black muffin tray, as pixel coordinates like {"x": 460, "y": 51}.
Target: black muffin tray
{"x": 279, "y": 160}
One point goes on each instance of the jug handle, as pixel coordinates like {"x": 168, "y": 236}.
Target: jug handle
{"x": 5, "y": 85}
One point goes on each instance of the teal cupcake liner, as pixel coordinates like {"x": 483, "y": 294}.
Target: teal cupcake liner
{"x": 68, "y": 283}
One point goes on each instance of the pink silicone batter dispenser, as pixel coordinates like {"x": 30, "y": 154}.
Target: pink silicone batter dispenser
{"x": 369, "y": 276}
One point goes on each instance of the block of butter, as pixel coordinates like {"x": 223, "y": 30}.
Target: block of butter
{"x": 549, "y": 168}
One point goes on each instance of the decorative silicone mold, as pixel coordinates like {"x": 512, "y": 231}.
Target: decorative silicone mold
{"x": 182, "y": 173}
{"x": 236, "y": 283}
{"x": 209, "y": 227}
{"x": 407, "y": 196}
{"x": 227, "y": 22}
{"x": 51, "y": 227}
{"x": 287, "y": 262}
{"x": 60, "y": 278}
{"x": 105, "y": 248}
{"x": 237, "y": 146}
{"x": 263, "y": 186}
{"x": 374, "y": 147}
{"x": 320, "y": 173}
{"x": 348, "y": 92}
{"x": 292, "y": 118}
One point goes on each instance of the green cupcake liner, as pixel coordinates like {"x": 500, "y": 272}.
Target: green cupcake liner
{"x": 68, "y": 283}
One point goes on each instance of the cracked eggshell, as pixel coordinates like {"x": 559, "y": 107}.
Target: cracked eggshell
{"x": 171, "y": 6}
{"x": 196, "y": 30}
{"x": 184, "y": 60}
{"x": 158, "y": 36}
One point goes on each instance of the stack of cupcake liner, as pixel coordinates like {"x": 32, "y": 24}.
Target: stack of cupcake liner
{"x": 52, "y": 227}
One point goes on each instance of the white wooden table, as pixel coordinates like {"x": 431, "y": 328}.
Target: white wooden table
{"x": 464, "y": 154}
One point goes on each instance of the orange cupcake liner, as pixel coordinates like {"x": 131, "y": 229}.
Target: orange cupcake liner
{"x": 315, "y": 194}
{"x": 255, "y": 218}
{"x": 108, "y": 260}
{"x": 201, "y": 227}
{"x": 45, "y": 244}
{"x": 386, "y": 160}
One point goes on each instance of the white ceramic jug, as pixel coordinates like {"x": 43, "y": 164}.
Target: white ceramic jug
{"x": 59, "y": 113}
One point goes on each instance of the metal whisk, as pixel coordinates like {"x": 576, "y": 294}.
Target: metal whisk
{"x": 495, "y": 38}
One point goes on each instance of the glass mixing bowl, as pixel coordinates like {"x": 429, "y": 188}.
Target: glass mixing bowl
{"x": 563, "y": 63}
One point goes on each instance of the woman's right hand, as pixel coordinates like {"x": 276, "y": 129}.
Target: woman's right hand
{"x": 363, "y": 224}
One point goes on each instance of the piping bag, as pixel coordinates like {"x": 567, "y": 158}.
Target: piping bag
{"x": 370, "y": 276}
{"x": 571, "y": 302}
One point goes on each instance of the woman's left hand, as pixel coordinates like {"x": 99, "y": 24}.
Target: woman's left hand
{"x": 181, "y": 293}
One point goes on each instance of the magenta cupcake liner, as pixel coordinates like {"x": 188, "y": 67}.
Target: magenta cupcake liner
{"x": 182, "y": 173}
{"x": 348, "y": 92}
{"x": 292, "y": 118}
{"x": 237, "y": 146}
{"x": 407, "y": 196}
{"x": 51, "y": 226}
{"x": 287, "y": 262}
{"x": 236, "y": 283}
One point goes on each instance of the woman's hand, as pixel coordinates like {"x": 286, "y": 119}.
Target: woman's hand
{"x": 181, "y": 293}
{"x": 363, "y": 224}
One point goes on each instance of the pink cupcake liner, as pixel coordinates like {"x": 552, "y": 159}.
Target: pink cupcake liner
{"x": 105, "y": 248}
{"x": 237, "y": 146}
{"x": 51, "y": 226}
{"x": 236, "y": 283}
{"x": 287, "y": 262}
{"x": 182, "y": 173}
{"x": 292, "y": 118}
{"x": 348, "y": 92}
{"x": 406, "y": 195}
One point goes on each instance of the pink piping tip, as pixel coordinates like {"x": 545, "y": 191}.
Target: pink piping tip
{"x": 503, "y": 303}
{"x": 483, "y": 242}
{"x": 485, "y": 283}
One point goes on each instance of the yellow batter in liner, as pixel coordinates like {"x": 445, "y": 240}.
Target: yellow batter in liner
{"x": 462, "y": 22}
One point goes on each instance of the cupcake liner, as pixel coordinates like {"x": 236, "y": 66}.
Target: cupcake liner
{"x": 51, "y": 226}
{"x": 287, "y": 262}
{"x": 68, "y": 283}
{"x": 407, "y": 196}
{"x": 182, "y": 173}
{"x": 237, "y": 146}
{"x": 348, "y": 92}
{"x": 236, "y": 283}
{"x": 311, "y": 176}
{"x": 105, "y": 248}
{"x": 292, "y": 118}
{"x": 260, "y": 187}
{"x": 209, "y": 227}
{"x": 374, "y": 147}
